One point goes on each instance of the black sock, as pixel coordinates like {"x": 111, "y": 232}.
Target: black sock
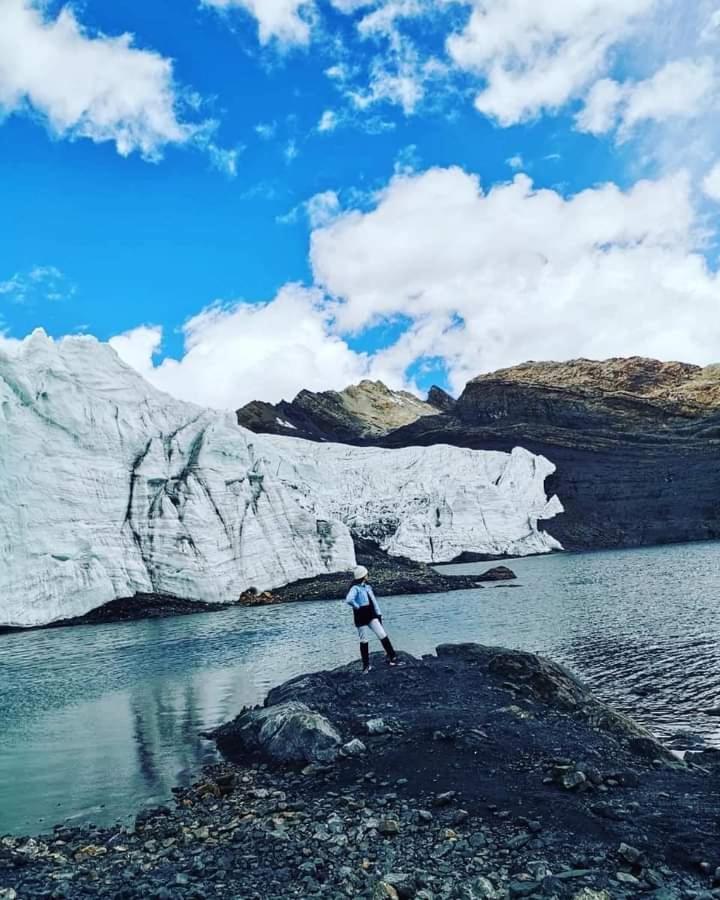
{"x": 389, "y": 649}
{"x": 365, "y": 653}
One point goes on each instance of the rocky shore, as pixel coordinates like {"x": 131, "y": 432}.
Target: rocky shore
{"x": 475, "y": 773}
{"x": 391, "y": 576}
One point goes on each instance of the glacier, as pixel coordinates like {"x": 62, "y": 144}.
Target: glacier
{"x": 110, "y": 488}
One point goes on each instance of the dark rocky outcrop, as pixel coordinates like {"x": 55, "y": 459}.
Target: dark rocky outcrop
{"x": 288, "y": 733}
{"x": 130, "y": 609}
{"x": 390, "y": 575}
{"x": 635, "y": 466}
{"x": 479, "y": 772}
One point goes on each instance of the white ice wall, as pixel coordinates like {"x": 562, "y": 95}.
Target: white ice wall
{"x": 109, "y": 487}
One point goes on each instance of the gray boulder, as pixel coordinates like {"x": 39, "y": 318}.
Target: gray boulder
{"x": 290, "y": 732}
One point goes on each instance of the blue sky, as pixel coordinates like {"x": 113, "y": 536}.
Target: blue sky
{"x": 158, "y": 190}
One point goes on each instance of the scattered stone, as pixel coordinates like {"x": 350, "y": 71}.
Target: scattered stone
{"x": 287, "y": 732}
{"x": 523, "y": 888}
{"x": 629, "y": 854}
{"x": 353, "y": 748}
{"x": 403, "y": 883}
{"x": 389, "y": 827}
{"x": 572, "y": 780}
{"x": 626, "y": 878}
{"x": 445, "y": 798}
{"x": 376, "y": 726}
{"x": 384, "y": 891}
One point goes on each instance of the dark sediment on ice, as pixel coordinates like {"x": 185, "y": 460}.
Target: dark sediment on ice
{"x": 478, "y": 773}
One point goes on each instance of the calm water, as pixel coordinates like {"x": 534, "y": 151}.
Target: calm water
{"x": 97, "y": 721}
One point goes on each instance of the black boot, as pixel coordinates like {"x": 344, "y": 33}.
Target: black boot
{"x": 365, "y": 655}
{"x": 390, "y": 650}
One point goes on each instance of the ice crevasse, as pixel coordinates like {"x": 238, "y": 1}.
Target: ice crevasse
{"x": 109, "y": 488}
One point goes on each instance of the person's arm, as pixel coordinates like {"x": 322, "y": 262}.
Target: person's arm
{"x": 351, "y": 598}
{"x": 373, "y": 598}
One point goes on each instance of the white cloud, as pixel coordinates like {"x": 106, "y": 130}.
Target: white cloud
{"x": 535, "y": 57}
{"x": 38, "y": 284}
{"x": 322, "y": 208}
{"x": 9, "y": 345}
{"x": 138, "y": 347}
{"x": 515, "y": 162}
{"x": 711, "y": 183}
{"x": 328, "y": 121}
{"x": 600, "y": 112}
{"x": 266, "y": 130}
{"x": 680, "y": 89}
{"x": 82, "y": 85}
{"x": 224, "y": 160}
{"x": 488, "y": 279}
{"x": 249, "y": 351}
{"x": 283, "y": 20}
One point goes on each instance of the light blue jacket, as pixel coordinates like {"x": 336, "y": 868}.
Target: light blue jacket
{"x": 361, "y": 595}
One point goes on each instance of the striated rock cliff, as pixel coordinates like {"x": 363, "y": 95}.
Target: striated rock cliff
{"x": 635, "y": 443}
{"x": 365, "y": 410}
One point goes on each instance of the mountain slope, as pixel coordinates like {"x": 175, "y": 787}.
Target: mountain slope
{"x": 110, "y": 488}
{"x": 362, "y": 411}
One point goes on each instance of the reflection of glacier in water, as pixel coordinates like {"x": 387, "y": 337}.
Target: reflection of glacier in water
{"x": 96, "y": 721}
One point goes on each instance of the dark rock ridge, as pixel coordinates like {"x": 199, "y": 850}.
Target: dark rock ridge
{"x": 477, "y": 773}
{"x": 365, "y": 410}
{"x": 130, "y": 609}
{"x": 635, "y": 442}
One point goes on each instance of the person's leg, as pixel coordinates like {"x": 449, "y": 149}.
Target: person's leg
{"x": 364, "y": 647}
{"x": 384, "y": 640}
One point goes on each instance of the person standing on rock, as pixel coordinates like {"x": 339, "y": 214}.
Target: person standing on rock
{"x": 368, "y": 617}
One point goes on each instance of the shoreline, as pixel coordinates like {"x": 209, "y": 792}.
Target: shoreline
{"x": 502, "y": 774}
{"x": 394, "y": 576}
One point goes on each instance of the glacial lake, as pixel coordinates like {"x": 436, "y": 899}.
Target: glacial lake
{"x": 96, "y": 722}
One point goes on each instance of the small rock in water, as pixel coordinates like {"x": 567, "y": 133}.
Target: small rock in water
{"x": 376, "y": 726}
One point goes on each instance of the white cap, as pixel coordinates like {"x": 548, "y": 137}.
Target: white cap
{"x": 359, "y": 572}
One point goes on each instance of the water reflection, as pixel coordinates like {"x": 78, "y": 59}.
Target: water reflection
{"x": 94, "y": 722}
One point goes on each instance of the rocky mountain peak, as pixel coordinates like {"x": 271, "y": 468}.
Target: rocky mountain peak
{"x": 365, "y": 410}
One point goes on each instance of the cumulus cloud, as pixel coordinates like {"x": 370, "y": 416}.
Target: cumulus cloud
{"x": 680, "y": 89}
{"x": 537, "y": 56}
{"x": 84, "y": 85}
{"x": 283, "y": 20}
{"x": 246, "y": 351}
{"x": 490, "y": 278}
